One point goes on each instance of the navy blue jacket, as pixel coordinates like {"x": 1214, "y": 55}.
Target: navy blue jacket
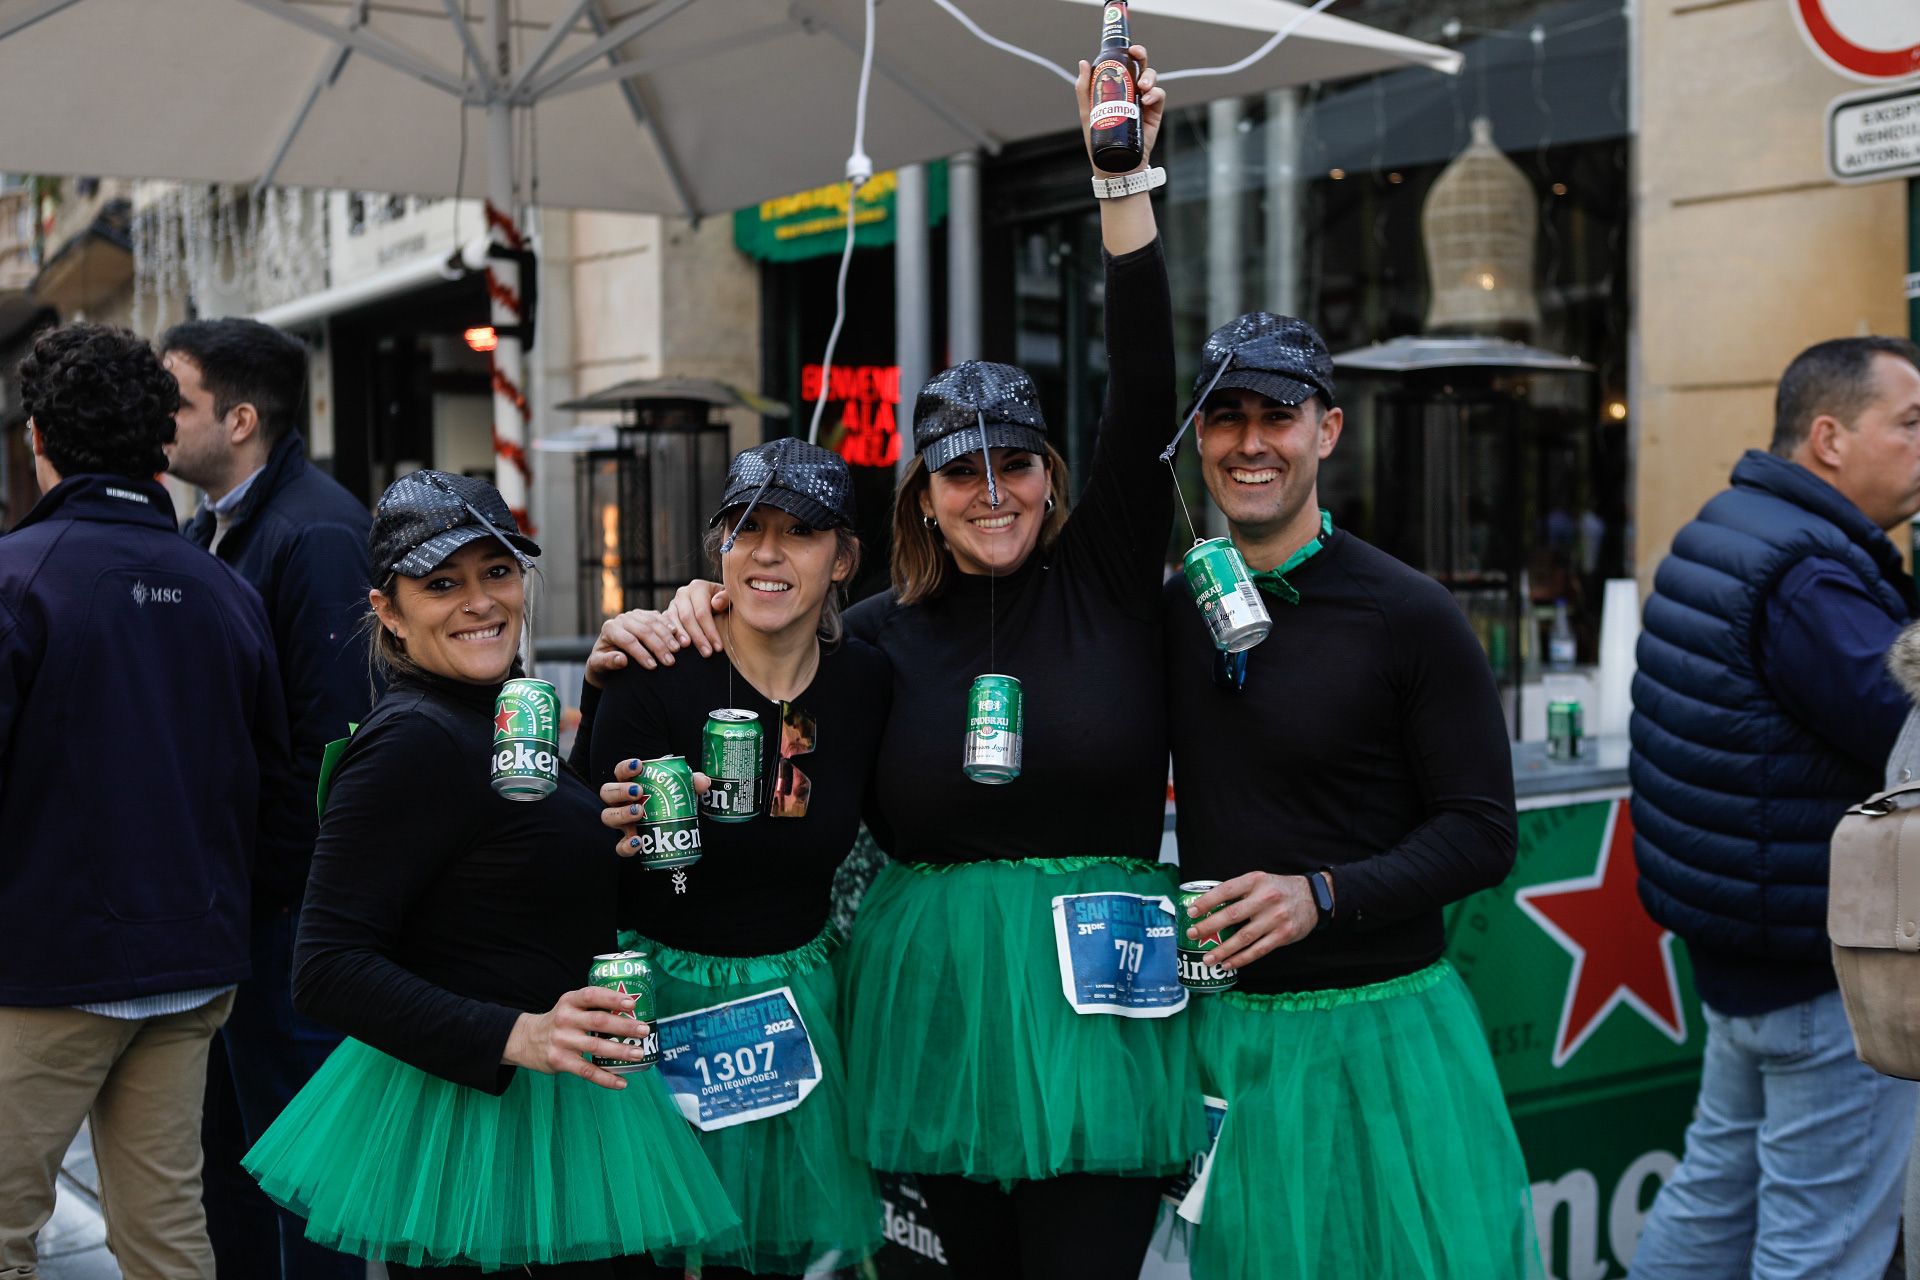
{"x": 301, "y": 540}
{"x": 143, "y": 751}
{"x": 1734, "y": 795}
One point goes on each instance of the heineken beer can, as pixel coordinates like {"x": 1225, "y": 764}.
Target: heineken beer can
{"x": 730, "y": 757}
{"x": 526, "y": 741}
{"x": 1564, "y": 729}
{"x": 670, "y": 820}
{"x": 629, "y": 974}
{"x": 1218, "y": 580}
{"x": 1195, "y": 973}
{"x": 992, "y": 752}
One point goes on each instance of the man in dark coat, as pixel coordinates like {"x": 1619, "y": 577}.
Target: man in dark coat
{"x": 143, "y": 774}
{"x": 1762, "y": 709}
{"x": 300, "y": 539}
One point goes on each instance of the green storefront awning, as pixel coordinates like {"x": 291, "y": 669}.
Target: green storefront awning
{"x": 809, "y": 224}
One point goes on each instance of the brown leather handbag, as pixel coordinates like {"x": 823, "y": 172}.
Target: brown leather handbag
{"x": 1873, "y": 920}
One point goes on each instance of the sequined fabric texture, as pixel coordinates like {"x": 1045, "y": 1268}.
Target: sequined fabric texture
{"x": 1261, "y": 342}
{"x": 800, "y": 479}
{"x": 425, "y": 516}
{"x": 950, "y": 408}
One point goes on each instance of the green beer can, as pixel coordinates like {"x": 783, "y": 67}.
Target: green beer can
{"x": 1218, "y": 580}
{"x": 629, "y": 974}
{"x": 526, "y": 741}
{"x": 994, "y": 722}
{"x": 730, "y": 757}
{"x": 1565, "y": 729}
{"x": 670, "y": 821}
{"x": 1195, "y": 973}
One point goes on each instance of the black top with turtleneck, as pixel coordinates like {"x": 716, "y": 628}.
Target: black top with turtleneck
{"x": 437, "y": 912}
{"x": 765, "y": 885}
{"x": 1078, "y": 625}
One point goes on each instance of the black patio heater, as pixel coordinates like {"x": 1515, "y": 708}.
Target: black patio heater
{"x": 1477, "y": 452}
{"x": 642, "y": 505}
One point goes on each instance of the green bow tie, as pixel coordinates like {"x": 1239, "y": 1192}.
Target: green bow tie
{"x": 1274, "y": 581}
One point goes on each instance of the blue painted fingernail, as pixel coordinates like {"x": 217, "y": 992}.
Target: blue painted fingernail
{"x": 633, "y": 764}
{"x": 634, "y": 843}
{"x": 634, "y": 809}
{"x": 633, "y": 790}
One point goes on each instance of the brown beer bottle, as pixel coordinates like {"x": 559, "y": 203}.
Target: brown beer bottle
{"x": 1115, "y": 117}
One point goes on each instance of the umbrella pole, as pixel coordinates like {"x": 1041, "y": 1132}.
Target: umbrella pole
{"x": 512, "y": 413}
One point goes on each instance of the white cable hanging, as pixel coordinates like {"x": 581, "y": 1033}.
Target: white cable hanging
{"x": 859, "y": 170}
{"x": 860, "y": 165}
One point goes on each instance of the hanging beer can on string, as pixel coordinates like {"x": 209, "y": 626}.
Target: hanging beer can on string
{"x": 1114, "y": 121}
{"x": 730, "y": 757}
{"x": 1218, "y": 580}
{"x": 994, "y": 725}
{"x": 526, "y": 743}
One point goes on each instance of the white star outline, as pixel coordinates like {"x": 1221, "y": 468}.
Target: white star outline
{"x": 1677, "y": 1032}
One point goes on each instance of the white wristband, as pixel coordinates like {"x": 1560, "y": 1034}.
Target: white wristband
{"x": 1131, "y": 184}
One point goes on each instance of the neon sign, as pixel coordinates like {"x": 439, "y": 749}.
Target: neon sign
{"x": 868, "y": 434}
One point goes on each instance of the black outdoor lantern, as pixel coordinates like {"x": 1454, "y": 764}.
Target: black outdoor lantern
{"x": 643, "y": 504}
{"x": 1475, "y": 452}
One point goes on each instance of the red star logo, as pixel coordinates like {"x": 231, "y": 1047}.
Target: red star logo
{"x": 503, "y": 720}
{"x": 1619, "y": 953}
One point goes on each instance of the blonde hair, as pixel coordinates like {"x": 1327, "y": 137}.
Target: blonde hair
{"x": 845, "y": 543}
{"x": 921, "y": 562}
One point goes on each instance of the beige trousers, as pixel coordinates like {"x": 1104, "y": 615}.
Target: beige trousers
{"x": 141, "y": 1082}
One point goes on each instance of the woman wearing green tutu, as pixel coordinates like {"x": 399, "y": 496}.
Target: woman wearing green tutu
{"x": 997, "y": 1047}
{"x": 449, "y": 931}
{"x": 740, "y": 942}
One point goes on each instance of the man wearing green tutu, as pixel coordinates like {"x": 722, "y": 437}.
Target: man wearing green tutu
{"x": 1345, "y": 779}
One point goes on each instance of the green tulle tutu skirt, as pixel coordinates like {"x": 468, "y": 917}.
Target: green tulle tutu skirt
{"x": 386, "y": 1161}
{"x": 968, "y": 1056}
{"x": 1365, "y": 1135}
{"x": 793, "y": 1178}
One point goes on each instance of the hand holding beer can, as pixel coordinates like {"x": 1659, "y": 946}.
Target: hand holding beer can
{"x": 1217, "y": 578}
{"x": 670, "y": 819}
{"x": 526, "y": 742}
{"x": 1195, "y": 973}
{"x": 628, "y": 974}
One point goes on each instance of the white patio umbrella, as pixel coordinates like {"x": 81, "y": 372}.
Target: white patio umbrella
{"x": 672, "y": 106}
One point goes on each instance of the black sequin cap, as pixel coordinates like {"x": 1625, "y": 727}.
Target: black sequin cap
{"x": 976, "y": 404}
{"x": 425, "y": 516}
{"x": 800, "y": 479}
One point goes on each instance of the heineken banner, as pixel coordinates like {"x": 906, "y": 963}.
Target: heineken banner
{"x": 808, "y": 224}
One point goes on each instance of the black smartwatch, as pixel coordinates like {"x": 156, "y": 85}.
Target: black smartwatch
{"x": 1322, "y": 893}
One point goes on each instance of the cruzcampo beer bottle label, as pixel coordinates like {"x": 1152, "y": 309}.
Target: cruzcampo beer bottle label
{"x": 1218, "y": 580}
{"x": 1115, "y": 118}
{"x": 730, "y": 757}
{"x": 994, "y": 724}
{"x": 629, "y": 974}
{"x": 670, "y": 821}
{"x": 1195, "y": 973}
{"x": 526, "y": 742}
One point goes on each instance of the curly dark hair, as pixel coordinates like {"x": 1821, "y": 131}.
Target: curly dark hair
{"x": 100, "y": 401}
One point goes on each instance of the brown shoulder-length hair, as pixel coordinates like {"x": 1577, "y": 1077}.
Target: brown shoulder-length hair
{"x": 922, "y": 565}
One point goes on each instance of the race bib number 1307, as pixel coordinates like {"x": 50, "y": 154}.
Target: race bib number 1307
{"x": 740, "y": 1061}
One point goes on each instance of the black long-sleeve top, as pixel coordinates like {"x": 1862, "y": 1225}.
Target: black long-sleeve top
{"x": 1368, "y": 739}
{"x": 766, "y": 885}
{"x": 437, "y": 912}
{"x": 1078, "y": 625}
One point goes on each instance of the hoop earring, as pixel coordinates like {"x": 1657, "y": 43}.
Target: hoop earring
{"x": 930, "y": 522}
{"x": 1049, "y": 504}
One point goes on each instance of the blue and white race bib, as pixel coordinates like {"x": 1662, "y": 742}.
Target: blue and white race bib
{"x": 737, "y": 1062}
{"x": 1118, "y": 955}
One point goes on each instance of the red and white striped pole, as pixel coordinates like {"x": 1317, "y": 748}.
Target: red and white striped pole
{"x": 512, "y": 415}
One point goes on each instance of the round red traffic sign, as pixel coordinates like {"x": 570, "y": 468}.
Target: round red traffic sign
{"x": 1862, "y": 39}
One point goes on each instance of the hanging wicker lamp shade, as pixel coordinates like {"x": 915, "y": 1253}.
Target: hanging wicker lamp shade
{"x": 1478, "y": 226}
